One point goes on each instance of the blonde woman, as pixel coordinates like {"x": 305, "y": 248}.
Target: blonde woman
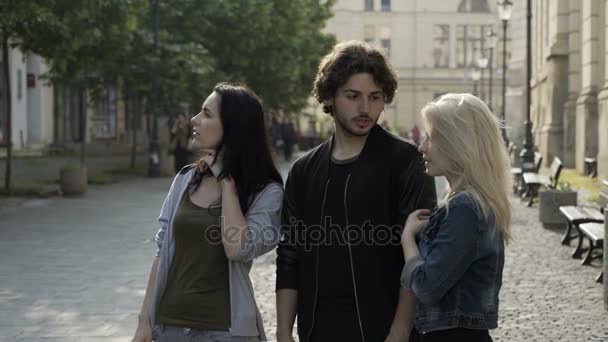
{"x": 455, "y": 255}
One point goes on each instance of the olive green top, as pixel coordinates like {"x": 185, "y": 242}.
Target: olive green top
{"x": 197, "y": 294}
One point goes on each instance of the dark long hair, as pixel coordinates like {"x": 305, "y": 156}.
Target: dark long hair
{"x": 244, "y": 147}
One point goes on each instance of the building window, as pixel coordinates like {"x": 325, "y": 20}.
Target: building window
{"x": 386, "y": 5}
{"x": 474, "y": 6}
{"x": 386, "y": 44}
{"x": 470, "y": 41}
{"x": 369, "y": 33}
{"x": 369, "y": 5}
{"x": 19, "y": 84}
{"x": 385, "y": 38}
{"x": 104, "y": 121}
{"x": 441, "y": 46}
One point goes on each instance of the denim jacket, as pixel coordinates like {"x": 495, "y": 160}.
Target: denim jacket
{"x": 457, "y": 278}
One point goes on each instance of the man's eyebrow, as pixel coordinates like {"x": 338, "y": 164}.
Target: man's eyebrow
{"x": 358, "y": 92}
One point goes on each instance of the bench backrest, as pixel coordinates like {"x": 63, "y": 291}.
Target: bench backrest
{"x": 603, "y": 200}
{"x": 538, "y": 160}
{"x": 556, "y": 170}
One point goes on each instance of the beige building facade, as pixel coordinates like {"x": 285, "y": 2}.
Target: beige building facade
{"x": 433, "y": 45}
{"x": 569, "y": 81}
{"x": 31, "y": 125}
{"x": 45, "y": 115}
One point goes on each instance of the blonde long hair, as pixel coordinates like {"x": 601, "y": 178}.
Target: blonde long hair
{"x": 464, "y": 131}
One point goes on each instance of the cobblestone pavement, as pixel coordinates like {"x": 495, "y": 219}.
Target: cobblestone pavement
{"x": 76, "y": 270}
{"x": 546, "y": 295}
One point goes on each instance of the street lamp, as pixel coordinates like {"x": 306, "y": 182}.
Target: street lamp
{"x": 527, "y": 153}
{"x": 492, "y": 40}
{"x": 482, "y": 64}
{"x": 505, "y": 8}
{"x": 475, "y": 76}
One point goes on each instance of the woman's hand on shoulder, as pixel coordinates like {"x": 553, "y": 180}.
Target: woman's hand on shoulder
{"x": 208, "y": 159}
{"x": 415, "y": 222}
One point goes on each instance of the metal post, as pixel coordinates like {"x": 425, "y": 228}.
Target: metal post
{"x": 491, "y": 72}
{"x": 504, "y": 82}
{"x": 527, "y": 153}
{"x": 154, "y": 148}
{"x": 482, "y": 94}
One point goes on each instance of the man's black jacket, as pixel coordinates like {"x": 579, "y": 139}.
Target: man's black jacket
{"x": 386, "y": 184}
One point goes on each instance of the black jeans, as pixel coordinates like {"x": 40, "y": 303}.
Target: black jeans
{"x": 455, "y": 334}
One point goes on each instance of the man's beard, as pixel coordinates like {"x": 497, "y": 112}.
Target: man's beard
{"x": 338, "y": 120}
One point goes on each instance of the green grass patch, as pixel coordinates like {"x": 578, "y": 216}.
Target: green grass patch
{"x": 114, "y": 175}
{"x": 139, "y": 170}
{"x": 578, "y": 181}
{"x": 101, "y": 179}
{"x": 40, "y": 190}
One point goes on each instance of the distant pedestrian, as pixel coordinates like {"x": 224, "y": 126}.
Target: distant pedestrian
{"x": 219, "y": 214}
{"x": 275, "y": 131}
{"x": 455, "y": 270}
{"x": 416, "y": 135}
{"x": 289, "y": 137}
{"x": 181, "y": 134}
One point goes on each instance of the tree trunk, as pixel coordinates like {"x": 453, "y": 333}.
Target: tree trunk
{"x": 83, "y": 125}
{"x": 7, "y": 114}
{"x": 56, "y": 118}
{"x": 133, "y": 108}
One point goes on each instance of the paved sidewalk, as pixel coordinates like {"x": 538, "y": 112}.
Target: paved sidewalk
{"x": 76, "y": 270}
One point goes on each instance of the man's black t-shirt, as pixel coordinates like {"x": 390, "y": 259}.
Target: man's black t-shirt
{"x": 336, "y": 314}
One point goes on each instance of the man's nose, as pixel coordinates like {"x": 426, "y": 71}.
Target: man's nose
{"x": 364, "y": 106}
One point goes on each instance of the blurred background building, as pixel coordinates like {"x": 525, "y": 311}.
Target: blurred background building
{"x": 434, "y": 46}
{"x": 569, "y": 80}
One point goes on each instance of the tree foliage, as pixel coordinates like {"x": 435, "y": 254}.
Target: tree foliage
{"x": 273, "y": 46}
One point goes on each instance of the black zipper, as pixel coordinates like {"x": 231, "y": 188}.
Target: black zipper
{"x": 314, "y": 307}
{"x": 352, "y": 269}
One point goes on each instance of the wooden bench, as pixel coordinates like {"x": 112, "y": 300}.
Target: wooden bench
{"x": 593, "y": 221}
{"x": 575, "y": 217}
{"x": 516, "y": 172}
{"x": 534, "y": 181}
{"x": 594, "y": 232}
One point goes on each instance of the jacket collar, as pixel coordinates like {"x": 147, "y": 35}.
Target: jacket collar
{"x": 371, "y": 143}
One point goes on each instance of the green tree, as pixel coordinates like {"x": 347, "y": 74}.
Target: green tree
{"x": 276, "y": 52}
{"x": 90, "y": 51}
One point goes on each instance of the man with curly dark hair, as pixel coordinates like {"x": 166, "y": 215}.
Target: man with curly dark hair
{"x": 339, "y": 259}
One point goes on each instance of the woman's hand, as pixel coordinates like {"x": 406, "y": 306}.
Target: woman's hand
{"x": 216, "y": 168}
{"x": 415, "y": 222}
{"x": 143, "y": 332}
